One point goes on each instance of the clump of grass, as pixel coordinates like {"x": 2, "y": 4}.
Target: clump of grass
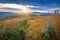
{"x": 47, "y": 33}
{"x": 14, "y": 34}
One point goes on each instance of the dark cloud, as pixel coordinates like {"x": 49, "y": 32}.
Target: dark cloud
{"x": 31, "y": 1}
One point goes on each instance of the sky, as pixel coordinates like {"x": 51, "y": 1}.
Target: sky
{"x": 26, "y": 6}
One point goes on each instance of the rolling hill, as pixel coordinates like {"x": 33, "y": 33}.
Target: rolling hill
{"x": 33, "y": 24}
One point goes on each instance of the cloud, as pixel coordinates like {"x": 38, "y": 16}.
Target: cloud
{"x": 31, "y": 6}
{"x": 15, "y": 6}
{"x": 53, "y": 9}
{"x": 19, "y": 8}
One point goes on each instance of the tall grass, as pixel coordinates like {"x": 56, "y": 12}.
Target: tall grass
{"x": 14, "y": 34}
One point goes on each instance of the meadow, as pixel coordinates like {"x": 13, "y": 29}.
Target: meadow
{"x": 30, "y": 27}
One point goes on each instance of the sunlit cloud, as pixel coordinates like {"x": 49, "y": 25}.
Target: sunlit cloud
{"x": 16, "y": 6}
{"x": 19, "y": 8}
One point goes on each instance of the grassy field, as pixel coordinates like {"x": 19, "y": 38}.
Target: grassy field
{"x": 30, "y": 27}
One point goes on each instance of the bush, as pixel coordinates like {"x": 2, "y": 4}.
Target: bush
{"x": 14, "y": 34}
{"x": 47, "y": 33}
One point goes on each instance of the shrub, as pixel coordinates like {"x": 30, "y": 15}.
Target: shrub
{"x": 47, "y": 33}
{"x": 14, "y": 34}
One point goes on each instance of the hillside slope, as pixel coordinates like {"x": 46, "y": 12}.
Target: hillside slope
{"x": 34, "y": 24}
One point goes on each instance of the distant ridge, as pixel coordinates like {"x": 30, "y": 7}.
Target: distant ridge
{"x": 43, "y": 14}
{"x": 4, "y": 14}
